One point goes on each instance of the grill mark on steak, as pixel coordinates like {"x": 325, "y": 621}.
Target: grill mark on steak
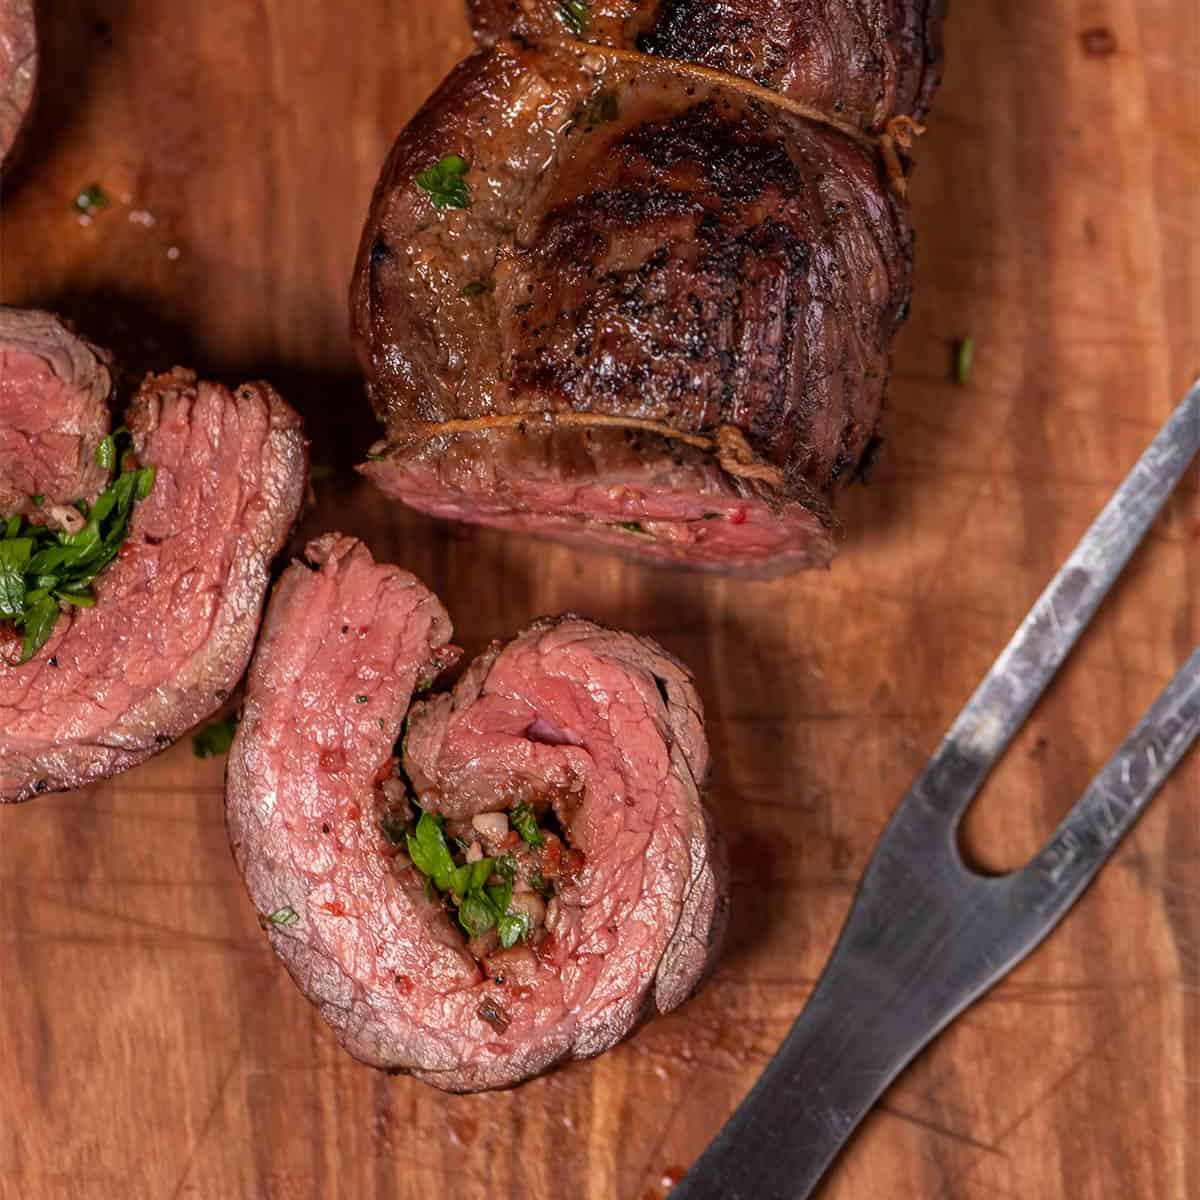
{"x": 633, "y": 929}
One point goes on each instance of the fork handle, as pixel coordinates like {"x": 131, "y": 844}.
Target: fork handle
{"x": 890, "y": 987}
{"x": 836, "y": 1062}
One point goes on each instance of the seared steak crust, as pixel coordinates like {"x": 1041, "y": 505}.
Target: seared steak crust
{"x": 641, "y": 246}
{"x": 18, "y": 71}
{"x": 866, "y": 59}
{"x": 176, "y": 613}
{"x": 608, "y": 717}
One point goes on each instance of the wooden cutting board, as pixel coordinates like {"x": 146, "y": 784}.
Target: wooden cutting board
{"x": 150, "y": 1045}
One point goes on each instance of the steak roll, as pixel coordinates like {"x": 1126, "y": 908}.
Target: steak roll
{"x": 493, "y": 879}
{"x": 628, "y": 300}
{"x": 18, "y": 71}
{"x": 125, "y": 621}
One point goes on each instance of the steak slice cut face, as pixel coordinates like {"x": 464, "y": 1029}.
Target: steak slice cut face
{"x": 177, "y": 611}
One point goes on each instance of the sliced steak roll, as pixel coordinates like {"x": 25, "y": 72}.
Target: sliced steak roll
{"x": 866, "y": 60}
{"x": 54, "y": 413}
{"x": 581, "y": 885}
{"x": 18, "y": 71}
{"x": 661, "y": 323}
{"x": 176, "y": 612}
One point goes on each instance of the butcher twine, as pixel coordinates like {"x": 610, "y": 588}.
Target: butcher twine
{"x": 893, "y": 143}
{"x": 729, "y": 443}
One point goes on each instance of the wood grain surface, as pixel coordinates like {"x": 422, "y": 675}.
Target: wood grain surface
{"x": 150, "y": 1046}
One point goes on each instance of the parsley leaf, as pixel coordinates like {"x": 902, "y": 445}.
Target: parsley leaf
{"x": 575, "y": 15}
{"x": 444, "y": 183}
{"x": 42, "y": 567}
{"x": 476, "y": 914}
{"x": 524, "y": 820}
{"x": 964, "y": 358}
{"x": 429, "y": 851}
{"x": 513, "y": 927}
{"x": 91, "y": 200}
{"x": 214, "y": 739}
{"x": 286, "y": 915}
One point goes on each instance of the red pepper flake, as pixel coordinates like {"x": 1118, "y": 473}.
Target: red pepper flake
{"x": 737, "y": 516}
{"x": 335, "y": 908}
{"x": 404, "y": 985}
{"x": 511, "y": 840}
{"x": 353, "y": 812}
{"x": 333, "y": 761}
{"x": 385, "y": 770}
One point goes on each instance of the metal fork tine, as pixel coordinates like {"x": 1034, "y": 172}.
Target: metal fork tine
{"x": 1005, "y": 698}
{"x": 1104, "y": 813}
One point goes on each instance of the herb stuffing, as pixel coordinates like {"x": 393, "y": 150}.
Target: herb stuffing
{"x": 575, "y": 15}
{"x": 444, "y": 183}
{"x": 215, "y": 739}
{"x": 524, "y": 820}
{"x": 482, "y": 904}
{"x": 44, "y": 569}
{"x": 599, "y": 110}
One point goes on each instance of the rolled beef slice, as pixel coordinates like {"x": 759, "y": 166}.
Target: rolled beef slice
{"x": 604, "y": 727}
{"x": 54, "y": 413}
{"x": 18, "y": 71}
{"x": 662, "y": 323}
{"x": 864, "y": 59}
{"x": 177, "y": 611}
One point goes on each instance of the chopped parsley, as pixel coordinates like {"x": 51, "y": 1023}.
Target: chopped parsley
{"x": 361, "y": 699}
{"x": 106, "y": 453}
{"x": 444, "y": 183}
{"x": 215, "y": 739}
{"x": 524, "y": 820}
{"x": 481, "y": 905}
{"x": 43, "y": 568}
{"x": 964, "y": 358}
{"x": 599, "y": 110}
{"x": 575, "y": 15}
{"x": 286, "y": 915}
{"x": 475, "y": 288}
{"x": 91, "y": 200}
{"x": 630, "y": 526}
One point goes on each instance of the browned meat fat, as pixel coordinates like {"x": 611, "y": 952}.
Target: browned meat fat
{"x": 18, "y": 71}
{"x": 657, "y": 316}
{"x": 603, "y": 727}
{"x": 176, "y": 612}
